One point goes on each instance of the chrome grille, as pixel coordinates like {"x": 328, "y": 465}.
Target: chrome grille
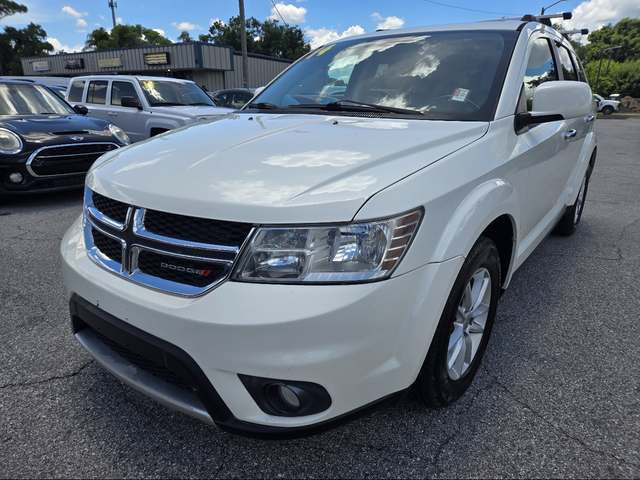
{"x": 174, "y": 253}
{"x": 66, "y": 159}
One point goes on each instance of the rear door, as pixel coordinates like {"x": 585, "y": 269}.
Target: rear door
{"x": 96, "y": 99}
{"x": 552, "y": 158}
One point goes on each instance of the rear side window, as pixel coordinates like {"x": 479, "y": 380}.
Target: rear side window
{"x": 579, "y": 69}
{"x": 75, "y": 92}
{"x": 568, "y": 69}
{"x": 540, "y": 68}
{"x": 97, "y": 92}
{"x": 122, "y": 89}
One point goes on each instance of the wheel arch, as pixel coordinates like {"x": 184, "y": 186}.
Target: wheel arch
{"x": 490, "y": 210}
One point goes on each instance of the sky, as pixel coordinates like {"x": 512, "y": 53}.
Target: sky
{"x": 67, "y": 22}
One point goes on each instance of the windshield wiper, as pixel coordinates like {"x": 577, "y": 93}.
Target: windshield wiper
{"x": 356, "y": 106}
{"x": 264, "y": 106}
{"x": 202, "y": 103}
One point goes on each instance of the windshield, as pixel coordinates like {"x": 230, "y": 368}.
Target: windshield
{"x": 18, "y": 99}
{"x": 442, "y": 75}
{"x": 162, "y": 93}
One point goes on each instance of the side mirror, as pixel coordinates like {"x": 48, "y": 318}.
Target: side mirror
{"x": 133, "y": 102}
{"x": 81, "y": 109}
{"x": 557, "y": 100}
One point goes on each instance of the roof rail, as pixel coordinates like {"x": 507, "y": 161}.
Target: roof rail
{"x": 546, "y": 19}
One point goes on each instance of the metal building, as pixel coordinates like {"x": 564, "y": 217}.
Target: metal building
{"x": 213, "y": 66}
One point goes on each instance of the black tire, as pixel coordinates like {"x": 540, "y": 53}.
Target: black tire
{"x": 569, "y": 221}
{"x": 435, "y": 385}
{"x": 608, "y": 110}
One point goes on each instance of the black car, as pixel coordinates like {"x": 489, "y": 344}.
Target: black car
{"x": 45, "y": 144}
{"x": 232, "y": 97}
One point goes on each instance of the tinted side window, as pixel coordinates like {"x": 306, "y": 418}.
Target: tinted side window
{"x": 75, "y": 92}
{"x": 97, "y": 92}
{"x": 568, "y": 70}
{"x": 540, "y": 68}
{"x": 122, "y": 89}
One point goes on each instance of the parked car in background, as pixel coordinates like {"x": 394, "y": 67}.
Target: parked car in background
{"x": 607, "y": 107}
{"x": 233, "y": 97}
{"x": 59, "y": 91}
{"x": 143, "y": 106}
{"x": 44, "y": 143}
{"x": 310, "y": 258}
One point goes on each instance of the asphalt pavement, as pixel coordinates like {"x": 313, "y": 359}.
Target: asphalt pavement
{"x": 557, "y": 395}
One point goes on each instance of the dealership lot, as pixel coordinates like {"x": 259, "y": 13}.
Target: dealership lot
{"x": 557, "y": 395}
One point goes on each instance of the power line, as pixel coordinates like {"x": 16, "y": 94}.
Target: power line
{"x": 274, "y": 6}
{"x": 470, "y": 9}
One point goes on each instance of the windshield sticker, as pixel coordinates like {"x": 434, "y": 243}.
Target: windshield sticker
{"x": 325, "y": 50}
{"x": 460, "y": 95}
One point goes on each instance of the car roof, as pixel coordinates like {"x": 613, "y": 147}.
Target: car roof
{"x": 130, "y": 77}
{"x": 21, "y": 82}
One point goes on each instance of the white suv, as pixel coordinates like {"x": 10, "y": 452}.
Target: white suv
{"x": 325, "y": 250}
{"x": 143, "y": 106}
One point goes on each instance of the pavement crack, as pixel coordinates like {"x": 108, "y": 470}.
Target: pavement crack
{"x": 225, "y": 455}
{"x": 58, "y": 377}
{"x": 563, "y": 431}
{"x": 436, "y": 458}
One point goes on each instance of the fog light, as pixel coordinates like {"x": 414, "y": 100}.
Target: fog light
{"x": 289, "y": 397}
{"x": 286, "y": 398}
{"x": 15, "y": 177}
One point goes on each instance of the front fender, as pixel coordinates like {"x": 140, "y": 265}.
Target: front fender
{"x": 167, "y": 124}
{"x": 474, "y": 214}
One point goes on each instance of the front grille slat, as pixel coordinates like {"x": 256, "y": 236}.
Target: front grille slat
{"x": 193, "y": 229}
{"x": 67, "y": 159}
{"x": 109, "y": 247}
{"x": 174, "y": 253}
{"x": 111, "y": 208}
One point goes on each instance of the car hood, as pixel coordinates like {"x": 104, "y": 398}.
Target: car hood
{"x": 196, "y": 111}
{"x": 47, "y": 128}
{"x": 292, "y": 168}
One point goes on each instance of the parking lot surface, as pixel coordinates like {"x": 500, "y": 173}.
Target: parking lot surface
{"x": 557, "y": 395}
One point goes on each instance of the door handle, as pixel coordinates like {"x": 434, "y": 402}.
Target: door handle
{"x": 569, "y": 134}
{"x": 590, "y": 118}
{"x": 112, "y": 114}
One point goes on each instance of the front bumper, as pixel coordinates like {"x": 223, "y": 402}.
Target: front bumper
{"x": 363, "y": 343}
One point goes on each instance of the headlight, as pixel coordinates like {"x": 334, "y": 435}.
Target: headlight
{"x": 10, "y": 143}
{"x": 119, "y": 134}
{"x": 356, "y": 252}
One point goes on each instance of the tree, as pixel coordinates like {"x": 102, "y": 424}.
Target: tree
{"x": 122, "y": 36}
{"x": 625, "y": 33}
{"x": 7, "y": 7}
{"x": 264, "y": 38}
{"x": 184, "y": 37}
{"x": 26, "y": 42}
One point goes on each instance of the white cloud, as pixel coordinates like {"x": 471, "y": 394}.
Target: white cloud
{"x": 213, "y": 20}
{"x": 593, "y": 14}
{"x": 290, "y": 13}
{"x": 57, "y": 46}
{"x": 102, "y": 17}
{"x": 159, "y": 30}
{"x": 323, "y": 36}
{"x": 74, "y": 13}
{"x": 81, "y": 23}
{"x": 119, "y": 20}
{"x": 186, "y": 26}
{"x": 97, "y": 24}
{"x": 388, "y": 23}
{"x": 82, "y": 30}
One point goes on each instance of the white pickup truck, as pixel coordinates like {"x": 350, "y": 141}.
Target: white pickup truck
{"x": 143, "y": 106}
{"x": 607, "y": 107}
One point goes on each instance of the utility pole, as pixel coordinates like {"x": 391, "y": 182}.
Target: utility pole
{"x": 610, "y": 50}
{"x": 243, "y": 41}
{"x": 113, "y": 5}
